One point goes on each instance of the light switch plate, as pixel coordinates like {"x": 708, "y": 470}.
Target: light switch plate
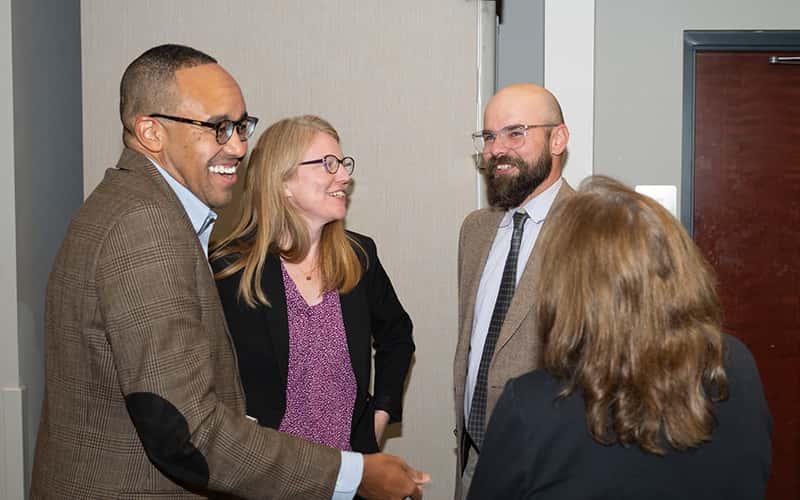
{"x": 667, "y": 196}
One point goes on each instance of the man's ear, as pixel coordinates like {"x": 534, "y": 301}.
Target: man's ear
{"x": 559, "y": 138}
{"x": 150, "y": 133}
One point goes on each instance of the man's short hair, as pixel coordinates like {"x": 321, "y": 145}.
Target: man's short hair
{"x": 147, "y": 85}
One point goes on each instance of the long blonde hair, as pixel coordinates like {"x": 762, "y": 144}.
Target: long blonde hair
{"x": 269, "y": 223}
{"x": 628, "y": 314}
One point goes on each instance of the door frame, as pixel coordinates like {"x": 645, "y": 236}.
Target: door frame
{"x": 695, "y": 42}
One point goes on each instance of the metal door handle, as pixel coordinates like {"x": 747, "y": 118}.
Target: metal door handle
{"x": 784, "y": 59}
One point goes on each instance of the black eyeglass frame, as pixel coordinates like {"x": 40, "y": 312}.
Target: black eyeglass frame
{"x": 223, "y": 129}
{"x": 339, "y": 163}
{"x": 481, "y": 134}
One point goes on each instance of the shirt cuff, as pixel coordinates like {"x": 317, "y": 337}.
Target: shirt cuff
{"x": 349, "y": 476}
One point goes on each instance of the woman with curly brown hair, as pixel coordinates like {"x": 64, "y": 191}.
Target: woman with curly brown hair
{"x": 640, "y": 395}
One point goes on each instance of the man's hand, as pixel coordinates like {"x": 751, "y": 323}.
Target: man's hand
{"x": 387, "y": 477}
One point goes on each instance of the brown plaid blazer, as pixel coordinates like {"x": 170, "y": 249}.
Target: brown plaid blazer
{"x": 142, "y": 396}
{"x": 517, "y": 350}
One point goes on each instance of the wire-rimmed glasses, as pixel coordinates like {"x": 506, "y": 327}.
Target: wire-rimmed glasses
{"x": 511, "y": 137}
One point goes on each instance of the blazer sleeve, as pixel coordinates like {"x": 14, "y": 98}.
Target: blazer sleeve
{"x": 163, "y": 352}
{"x": 391, "y": 335}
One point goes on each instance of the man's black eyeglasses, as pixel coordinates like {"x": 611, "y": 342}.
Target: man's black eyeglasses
{"x": 224, "y": 129}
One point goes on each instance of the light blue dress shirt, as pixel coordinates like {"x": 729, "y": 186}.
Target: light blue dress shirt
{"x": 203, "y": 218}
{"x": 489, "y": 286}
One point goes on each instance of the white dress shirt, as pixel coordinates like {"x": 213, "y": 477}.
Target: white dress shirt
{"x": 489, "y": 287}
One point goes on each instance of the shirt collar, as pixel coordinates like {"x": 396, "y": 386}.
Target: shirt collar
{"x": 537, "y": 207}
{"x": 199, "y": 213}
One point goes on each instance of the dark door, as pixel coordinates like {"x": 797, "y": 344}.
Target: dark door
{"x": 746, "y": 220}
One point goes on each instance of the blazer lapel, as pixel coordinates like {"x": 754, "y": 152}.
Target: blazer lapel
{"x": 276, "y": 315}
{"x": 355, "y": 325}
{"x": 473, "y": 261}
{"x": 482, "y": 241}
{"x": 522, "y": 302}
{"x": 141, "y": 165}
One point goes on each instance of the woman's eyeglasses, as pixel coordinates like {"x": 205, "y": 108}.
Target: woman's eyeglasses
{"x": 331, "y": 163}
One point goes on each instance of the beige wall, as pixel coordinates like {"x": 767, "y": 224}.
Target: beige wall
{"x": 639, "y": 77}
{"x": 398, "y": 79}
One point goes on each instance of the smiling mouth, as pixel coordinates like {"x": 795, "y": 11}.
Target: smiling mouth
{"x": 504, "y": 168}
{"x": 337, "y": 194}
{"x": 223, "y": 169}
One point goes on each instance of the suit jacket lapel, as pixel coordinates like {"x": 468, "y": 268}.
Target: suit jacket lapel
{"x": 141, "y": 165}
{"x": 522, "y": 302}
{"x": 276, "y": 320}
{"x": 354, "y": 325}
{"x": 276, "y": 315}
{"x": 482, "y": 240}
{"x": 473, "y": 262}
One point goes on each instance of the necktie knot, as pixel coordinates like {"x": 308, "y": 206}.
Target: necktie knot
{"x": 516, "y": 236}
{"x": 519, "y": 219}
{"x": 210, "y": 219}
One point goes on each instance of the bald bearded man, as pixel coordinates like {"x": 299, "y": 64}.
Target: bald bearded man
{"x": 522, "y": 150}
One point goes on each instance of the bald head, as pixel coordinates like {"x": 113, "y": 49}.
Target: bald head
{"x": 525, "y": 152}
{"x": 528, "y": 103}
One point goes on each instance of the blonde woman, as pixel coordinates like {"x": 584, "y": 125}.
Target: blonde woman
{"x": 639, "y": 395}
{"x": 306, "y": 300}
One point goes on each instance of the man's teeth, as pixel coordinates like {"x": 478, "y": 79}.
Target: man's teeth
{"x": 220, "y": 169}
{"x": 337, "y": 194}
{"x": 504, "y": 166}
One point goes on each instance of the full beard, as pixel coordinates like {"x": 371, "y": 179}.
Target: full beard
{"x": 509, "y": 191}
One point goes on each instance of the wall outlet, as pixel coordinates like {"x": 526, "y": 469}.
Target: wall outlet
{"x": 667, "y": 196}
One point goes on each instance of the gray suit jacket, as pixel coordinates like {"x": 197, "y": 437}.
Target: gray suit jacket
{"x": 142, "y": 395}
{"x": 517, "y": 350}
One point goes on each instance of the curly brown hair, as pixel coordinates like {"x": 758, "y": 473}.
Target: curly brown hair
{"x": 629, "y": 317}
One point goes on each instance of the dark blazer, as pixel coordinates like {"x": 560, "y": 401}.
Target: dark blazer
{"x": 371, "y": 313}
{"x": 540, "y": 448}
{"x": 142, "y": 395}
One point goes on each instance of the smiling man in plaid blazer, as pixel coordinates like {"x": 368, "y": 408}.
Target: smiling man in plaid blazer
{"x": 143, "y": 398}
